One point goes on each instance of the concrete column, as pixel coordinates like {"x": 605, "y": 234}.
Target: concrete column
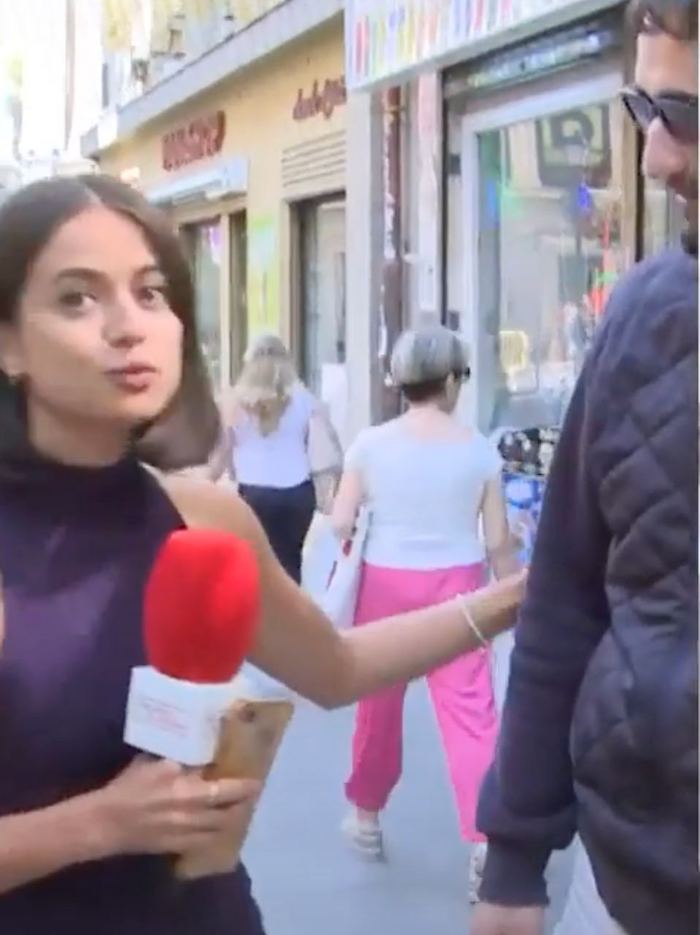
{"x": 423, "y": 203}
{"x": 364, "y": 252}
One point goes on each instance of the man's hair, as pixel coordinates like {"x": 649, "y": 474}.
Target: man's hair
{"x": 677, "y": 18}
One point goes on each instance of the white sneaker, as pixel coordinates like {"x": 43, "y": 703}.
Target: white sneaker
{"x": 364, "y": 836}
{"x": 477, "y": 861}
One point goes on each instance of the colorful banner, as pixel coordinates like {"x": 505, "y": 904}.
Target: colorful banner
{"x": 263, "y": 276}
{"x": 387, "y": 38}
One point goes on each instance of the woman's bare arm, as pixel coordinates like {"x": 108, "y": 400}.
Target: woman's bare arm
{"x": 501, "y": 544}
{"x": 298, "y": 645}
{"x": 221, "y": 462}
{"x": 347, "y": 504}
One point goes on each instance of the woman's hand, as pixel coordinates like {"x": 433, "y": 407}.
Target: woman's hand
{"x": 158, "y": 807}
{"x": 494, "y": 608}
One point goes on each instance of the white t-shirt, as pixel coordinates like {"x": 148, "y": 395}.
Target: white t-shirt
{"x": 280, "y": 459}
{"x": 423, "y": 496}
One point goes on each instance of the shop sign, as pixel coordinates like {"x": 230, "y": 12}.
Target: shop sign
{"x": 201, "y": 138}
{"x": 386, "y": 39}
{"x": 573, "y": 146}
{"x": 321, "y": 99}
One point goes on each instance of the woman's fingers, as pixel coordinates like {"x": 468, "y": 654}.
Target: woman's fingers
{"x": 197, "y": 793}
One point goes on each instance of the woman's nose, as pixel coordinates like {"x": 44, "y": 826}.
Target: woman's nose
{"x": 664, "y": 157}
{"x": 124, "y": 322}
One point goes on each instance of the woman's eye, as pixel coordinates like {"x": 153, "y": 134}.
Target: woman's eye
{"x": 153, "y": 296}
{"x": 76, "y": 301}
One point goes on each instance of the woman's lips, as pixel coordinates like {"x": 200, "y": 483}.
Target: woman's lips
{"x": 135, "y": 378}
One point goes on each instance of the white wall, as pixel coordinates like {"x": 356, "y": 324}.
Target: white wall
{"x": 365, "y": 249}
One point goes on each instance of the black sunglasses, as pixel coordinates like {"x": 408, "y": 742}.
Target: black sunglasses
{"x": 676, "y": 110}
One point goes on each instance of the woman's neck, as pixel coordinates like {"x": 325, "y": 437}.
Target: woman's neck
{"x": 429, "y": 410}
{"x": 81, "y": 444}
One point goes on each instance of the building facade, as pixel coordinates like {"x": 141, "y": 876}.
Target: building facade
{"x": 248, "y": 153}
{"x": 50, "y": 61}
{"x": 522, "y": 201}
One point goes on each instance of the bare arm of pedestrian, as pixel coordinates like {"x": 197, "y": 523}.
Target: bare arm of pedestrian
{"x": 347, "y": 503}
{"x": 501, "y": 544}
{"x": 221, "y": 462}
{"x": 221, "y": 459}
{"x": 298, "y": 645}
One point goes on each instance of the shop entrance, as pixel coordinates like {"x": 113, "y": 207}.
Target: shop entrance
{"x": 542, "y": 206}
{"x": 321, "y": 324}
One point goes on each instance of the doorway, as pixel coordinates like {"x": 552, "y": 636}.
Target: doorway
{"x": 322, "y": 322}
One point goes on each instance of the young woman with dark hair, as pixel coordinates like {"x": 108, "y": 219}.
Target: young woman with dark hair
{"x": 101, "y": 376}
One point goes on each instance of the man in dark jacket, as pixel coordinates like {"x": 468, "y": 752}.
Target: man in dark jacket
{"x": 600, "y": 729}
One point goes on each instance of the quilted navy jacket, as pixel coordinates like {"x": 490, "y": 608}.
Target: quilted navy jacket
{"x": 600, "y": 732}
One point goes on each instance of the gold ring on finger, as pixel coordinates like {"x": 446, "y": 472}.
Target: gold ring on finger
{"x": 214, "y": 793}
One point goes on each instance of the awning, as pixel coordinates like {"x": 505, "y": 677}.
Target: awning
{"x": 220, "y": 181}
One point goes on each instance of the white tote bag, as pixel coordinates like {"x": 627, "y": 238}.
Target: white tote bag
{"x": 320, "y": 556}
{"x": 340, "y": 597}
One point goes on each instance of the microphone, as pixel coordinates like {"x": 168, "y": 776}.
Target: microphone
{"x": 201, "y": 608}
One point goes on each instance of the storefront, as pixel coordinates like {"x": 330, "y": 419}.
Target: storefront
{"x": 541, "y": 204}
{"x": 239, "y": 167}
{"x": 538, "y": 153}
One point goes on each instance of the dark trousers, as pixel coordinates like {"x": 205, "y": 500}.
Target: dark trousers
{"x": 285, "y": 515}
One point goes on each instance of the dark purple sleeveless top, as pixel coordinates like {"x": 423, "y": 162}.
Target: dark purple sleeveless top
{"x": 76, "y": 546}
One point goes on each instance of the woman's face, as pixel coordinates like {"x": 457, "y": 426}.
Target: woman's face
{"x": 95, "y": 341}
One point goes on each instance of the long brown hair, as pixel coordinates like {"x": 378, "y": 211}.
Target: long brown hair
{"x": 187, "y": 432}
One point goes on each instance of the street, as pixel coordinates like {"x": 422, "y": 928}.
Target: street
{"x": 306, "y": 879}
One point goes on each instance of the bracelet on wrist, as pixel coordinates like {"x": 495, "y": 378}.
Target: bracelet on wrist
{"x": 471, "y": 623}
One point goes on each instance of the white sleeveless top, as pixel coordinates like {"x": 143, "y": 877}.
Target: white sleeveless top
{"x": 423, "y": 495}
{"x": 280, "y": 459}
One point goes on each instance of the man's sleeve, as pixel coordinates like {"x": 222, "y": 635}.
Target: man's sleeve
{"x": 527, "y": 806}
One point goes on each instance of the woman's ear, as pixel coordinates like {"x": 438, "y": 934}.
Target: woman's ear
{"x": 10, "y": 354}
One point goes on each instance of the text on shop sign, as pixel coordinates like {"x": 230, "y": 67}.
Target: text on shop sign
{"x": 199, "y": 139}
{"x": 321, "y": 99}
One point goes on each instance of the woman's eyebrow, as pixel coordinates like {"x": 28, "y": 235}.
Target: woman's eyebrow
{"x": 149, "y": 268}
{"x": 93, "y": 275}
{"x": 79, "y": 272}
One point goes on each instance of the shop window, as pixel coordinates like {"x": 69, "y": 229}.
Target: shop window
{"x": 664, "y": 218}
{"x": 549, "y": 253}
{"x": 323, "y": 307}
{"x": 204, "y": 245}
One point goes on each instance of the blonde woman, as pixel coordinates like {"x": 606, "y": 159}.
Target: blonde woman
{"x": 274, "y": 425}
{"x": 429, "y": 485}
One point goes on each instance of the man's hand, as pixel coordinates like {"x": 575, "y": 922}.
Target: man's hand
{"x": 506, "y": 920}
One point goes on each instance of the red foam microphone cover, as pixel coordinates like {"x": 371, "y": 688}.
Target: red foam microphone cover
{"x": 201, "y": 606}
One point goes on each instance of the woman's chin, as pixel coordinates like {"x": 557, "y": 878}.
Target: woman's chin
{"x": 135, "y": 412}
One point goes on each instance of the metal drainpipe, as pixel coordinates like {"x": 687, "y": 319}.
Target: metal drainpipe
{"x": 391, "y": 303}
